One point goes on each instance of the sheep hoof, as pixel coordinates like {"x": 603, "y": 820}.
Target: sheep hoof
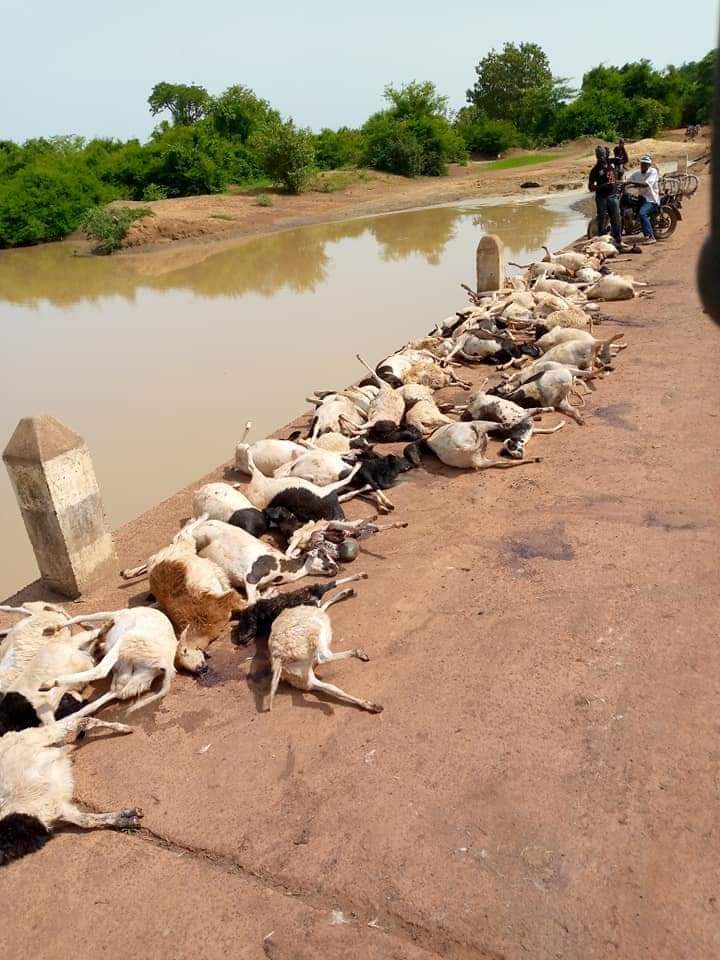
{"x": 130, "y": 819}
{"x": 375, "y": 707}
{"x": 361, "y": 655}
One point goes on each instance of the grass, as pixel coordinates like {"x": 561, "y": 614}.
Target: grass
{"x": 250, "y": 186}
{"x": 523, "y": 160}
{"x": 331, "y": 181}
{"x": 221, "y": 216}
{"x": 264, "y": 200}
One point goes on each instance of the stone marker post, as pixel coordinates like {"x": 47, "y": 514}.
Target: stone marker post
{"x": 54, "y": 482}
{"x": 490, "y": 262}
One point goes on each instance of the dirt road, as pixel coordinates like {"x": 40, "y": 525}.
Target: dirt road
{"x": 544, "y": 780}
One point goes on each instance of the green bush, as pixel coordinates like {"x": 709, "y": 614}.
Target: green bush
{"x": 109, "y": 225}
{"x": 391, "y": 146}
{"x": 238, "y": 112}
{"x": 153, "y": 191}
{"x": 46, "y": 200}
{"x": 413, "y": 137}
{"x": 264, "y": 200}
{"x": 335, "y": 149}
{"x": 286, "y": 154}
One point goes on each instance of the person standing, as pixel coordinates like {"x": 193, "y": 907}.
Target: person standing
{"x": 603, "y": 183}
{"x": 646, "y": 179}
{"x": 621, "y": 158}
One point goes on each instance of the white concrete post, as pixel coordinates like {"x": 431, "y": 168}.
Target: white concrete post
{"x": 54, "y": 482}
{"x": 490, "y": 263}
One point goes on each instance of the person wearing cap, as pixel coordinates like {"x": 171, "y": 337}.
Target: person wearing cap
{"x": 646, "y": 179}
{"x": 603, "y": 183}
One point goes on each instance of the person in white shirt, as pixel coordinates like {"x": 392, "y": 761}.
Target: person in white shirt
{"x": 646, "y": 179}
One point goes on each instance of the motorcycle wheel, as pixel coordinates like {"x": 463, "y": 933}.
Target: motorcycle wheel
{"x": 665, "y": 222}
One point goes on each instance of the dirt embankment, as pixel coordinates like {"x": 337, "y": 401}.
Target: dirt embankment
{"x": 226, "y": 216}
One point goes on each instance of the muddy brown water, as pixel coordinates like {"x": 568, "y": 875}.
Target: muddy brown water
{"x": 159, "y": 359}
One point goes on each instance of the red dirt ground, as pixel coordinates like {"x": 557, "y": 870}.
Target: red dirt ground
{"x": 544, "y": 780}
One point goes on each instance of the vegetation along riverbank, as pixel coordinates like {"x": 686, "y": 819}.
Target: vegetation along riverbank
{"x": 242, "y": 160}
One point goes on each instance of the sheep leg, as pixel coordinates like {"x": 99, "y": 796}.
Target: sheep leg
{"x": 251, "y": 590}
{"x": 353, "y": 578}
{"x": 69, "y": 729}
{"x": 349, "y": 427}
{"x": 87, "y": 676}
{"x": 358, "y": 653}
{"x": 455, "y": 379}
{"x": 538, "y": 411}
{"x": 95, "y": 705}
{"x": 554, "y": 429}
{"x": 337, "y": 694}
{"x": 22, "y": 611}
{"x": 343, "y": 595}
{"x": 503, "y": 464}
{"x": 131, "y": 572}
{"x": 344, "y": 497}
{"x": 570, "y": 411}
{"x": 119, "y": 819}
{"x": 83, "y": 618}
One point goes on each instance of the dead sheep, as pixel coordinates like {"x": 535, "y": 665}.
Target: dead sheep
{"x": 614, "y": 287}
{"x": 304, "y": 499}
{"x": 193, "y": 592}
{"x": 222, "y": 501}
{"x": 300, "y": 640}
{"x": 463, "y": 445}
{"x": 268, "y": 454}
{"x": 546, "y": 384}
{"x": 139, "y": 647}
{"x": 255, "y": 622}
{"x": 250, "y": 564}
{"x": 38, "y": 785}
{"x": 584, "y": 354}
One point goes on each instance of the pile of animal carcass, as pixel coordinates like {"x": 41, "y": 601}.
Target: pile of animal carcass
{"x": 537, "y": 333}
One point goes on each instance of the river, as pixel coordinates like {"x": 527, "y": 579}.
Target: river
{"x": 159, "y": 359}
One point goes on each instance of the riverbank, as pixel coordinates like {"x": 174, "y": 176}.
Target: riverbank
{"x": 347, "y": 194}
{"x": 543, "y": 779}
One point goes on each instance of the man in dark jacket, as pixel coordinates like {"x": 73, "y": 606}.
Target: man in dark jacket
{"x": 603, "y": 183}
{"x": 621, "y": 158}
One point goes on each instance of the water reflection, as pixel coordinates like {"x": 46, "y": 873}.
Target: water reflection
{"x": 297, "y": 260}
{"x": 533, "y": 222}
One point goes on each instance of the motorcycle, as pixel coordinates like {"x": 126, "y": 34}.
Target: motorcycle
{"x": 664, "y": 218}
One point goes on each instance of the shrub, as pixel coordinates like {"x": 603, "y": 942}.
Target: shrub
{"x": 481, "y": 135}
{"x": 335, "y": 149}
{"x": 264, "y": 200}
{"x": 109, "y": 225}
{"x": 46, "y": 200}
{"x": 391, "y": 146}
{"x": 286, "y": 154}
{"x": 188, "y": 161}
{"x": 153, "y": 191}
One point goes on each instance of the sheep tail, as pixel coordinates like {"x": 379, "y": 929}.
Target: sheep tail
{"x": 276, "y": 665}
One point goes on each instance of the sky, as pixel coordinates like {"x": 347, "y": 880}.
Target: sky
{"x": 87, "y": 67}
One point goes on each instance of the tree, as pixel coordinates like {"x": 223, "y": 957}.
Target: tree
{"x": 187, "y": 103}
{"x": 517, "y": 85}
{"x": 413, "y": 136}
{"x": 416, "y": 99}
{"x": 238, "y": 112}
{"x": 286, "y": 154}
